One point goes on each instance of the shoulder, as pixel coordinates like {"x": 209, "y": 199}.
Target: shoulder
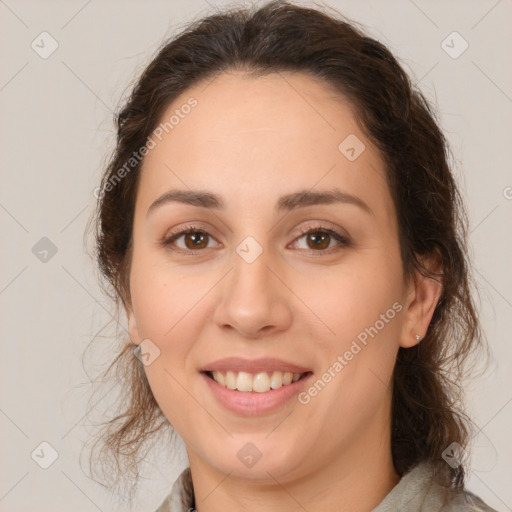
{"x": 421, "y": 490}
{"x": 467, "y": 502}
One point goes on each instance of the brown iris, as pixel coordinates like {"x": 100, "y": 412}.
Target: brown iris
{"x": 317, "y": 236}
{"x": 197, "y": 238}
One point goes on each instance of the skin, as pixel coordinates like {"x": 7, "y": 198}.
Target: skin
{"x": 251, "y": 140}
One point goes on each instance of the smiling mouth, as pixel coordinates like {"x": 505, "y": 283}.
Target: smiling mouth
{"x": 260, "y": 382}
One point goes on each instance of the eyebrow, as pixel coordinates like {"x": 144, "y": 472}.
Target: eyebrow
{"x": 287, "y": 202}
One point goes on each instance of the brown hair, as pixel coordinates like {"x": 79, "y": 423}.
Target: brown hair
{"x": 279, "y": 36}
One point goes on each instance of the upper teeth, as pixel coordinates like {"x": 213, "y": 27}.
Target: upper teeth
{"x": 261, "y": 382}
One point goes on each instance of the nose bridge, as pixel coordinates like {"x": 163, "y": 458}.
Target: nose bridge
{"x": 251, "y": 283}
{"x": 252, "y": 267}
{"x": 253, "y": 298}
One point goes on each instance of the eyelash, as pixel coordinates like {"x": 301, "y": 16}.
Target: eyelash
{"x": 304, "y": 230}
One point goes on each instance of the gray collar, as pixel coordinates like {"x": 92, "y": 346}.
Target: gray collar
{"x": 417, "y": 491}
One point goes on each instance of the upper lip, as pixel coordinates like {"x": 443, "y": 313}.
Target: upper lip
{"x": 238, "y": 364}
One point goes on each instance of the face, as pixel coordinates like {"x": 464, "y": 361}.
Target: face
{"x": 266, "y": 273}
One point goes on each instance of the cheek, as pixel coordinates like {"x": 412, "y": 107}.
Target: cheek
{"x": 161, "y": 296}
{"x": 358, "y": 334}
{"x": 352, "y": 298}
{"x": 172, "y": 304}
{"x": 167, "y": 303}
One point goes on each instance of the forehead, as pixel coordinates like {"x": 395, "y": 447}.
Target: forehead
{"x": 242, "y": 113}
{"x": 272, "y": 134}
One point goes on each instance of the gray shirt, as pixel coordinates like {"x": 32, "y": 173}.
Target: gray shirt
{"x": 416, "y": 491}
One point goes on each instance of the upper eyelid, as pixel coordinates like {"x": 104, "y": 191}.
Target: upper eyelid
{"x": 327, "y": 226}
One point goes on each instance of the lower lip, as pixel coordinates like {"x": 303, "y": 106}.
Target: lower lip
{"x": 252, "y": 403}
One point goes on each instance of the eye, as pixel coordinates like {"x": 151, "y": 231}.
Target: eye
{"x": 194, "y": 239}
{"x": 318, "y": 238}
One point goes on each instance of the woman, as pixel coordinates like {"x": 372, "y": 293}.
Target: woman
{"x": 281, "y": 226}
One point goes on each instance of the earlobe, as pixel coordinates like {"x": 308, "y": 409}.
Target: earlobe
{"x": 424, "y": 296}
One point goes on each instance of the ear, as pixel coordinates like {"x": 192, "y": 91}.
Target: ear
{"x": 423, "y": 294}
{"x": 132, "y": 325}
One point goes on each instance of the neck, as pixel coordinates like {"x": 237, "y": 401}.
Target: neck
{"x": 356, "y": 478}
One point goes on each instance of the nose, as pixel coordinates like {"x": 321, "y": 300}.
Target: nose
{"x": 254, "y": 299}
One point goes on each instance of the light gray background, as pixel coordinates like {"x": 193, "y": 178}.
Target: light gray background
{"x": 56, "y": 131}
